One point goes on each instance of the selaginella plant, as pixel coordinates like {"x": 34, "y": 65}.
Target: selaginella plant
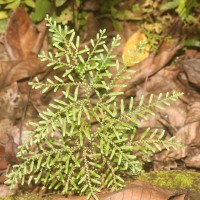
{"x": 85, "y": 141}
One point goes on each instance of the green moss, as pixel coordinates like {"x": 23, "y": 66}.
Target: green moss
{"x": 175, "y": 179}
{"x": 27, "y": 196}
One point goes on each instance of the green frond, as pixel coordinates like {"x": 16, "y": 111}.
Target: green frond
{"x": 84, "y": 143}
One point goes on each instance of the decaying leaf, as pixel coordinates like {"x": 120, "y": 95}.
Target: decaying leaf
{"x": 3, "y": 162}
{"x": 192, "y": 70}
{"x": 11, "y": 71}
{"x": 148, "y": 67}
{"x": 5, "y": 191}
{"x": 23, "y": 42}
{"x": 193, "y": 112}
{"x": 21, "y": 35}
{"x": 138, "y": 190}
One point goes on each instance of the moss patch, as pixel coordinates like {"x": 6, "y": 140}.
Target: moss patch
{"x": 175, "y": 179}
{"x": 28, "y": 196}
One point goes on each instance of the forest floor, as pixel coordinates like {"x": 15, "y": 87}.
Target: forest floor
{"x": 171, "y": 67}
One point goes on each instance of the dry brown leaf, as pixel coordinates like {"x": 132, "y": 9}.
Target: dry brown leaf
{"x": 164, "y": 165}
{"x": 3, "y": 162}
{"x": 5, "y": 126}
{"x": 20, "y": 36}
{"x": 189, "y": 134}
{"x": 178, "y": 197}
{"x": 193, "y": 113}
{"x": 192, "y": 70}
{"x": 9, "y": 100}
{"x": 138, "y": 190}
{"x": 148, "y": 67}
{"x": 23, "y": 42}
{"x": 5, "y": 191}
{"x": 11, "y": 71}
{"x": 11, "y": 151}
{"x": 172, "y": 117}
{"x": 193, "y": 161}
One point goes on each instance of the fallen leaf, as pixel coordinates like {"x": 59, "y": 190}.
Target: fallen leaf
{"x": 192, "y": 70}
{"x": 3, "y": 162}
{"x": 178, "y": 197}
{"x": 5, "y": 126}
{"x": 193, "y": 161}
{"x": 23, "y": 41}
{"x": 193, "y": 112}
{"x": 140, "y": 190}
{"x": 129, "y": 52}
{"x": 11, "y": 71}
{"x": 189, "y": 134}
{"x": 148, "y": 67}
{"x": 5, "y": 191}
{"x": 21, "y": 35}
{"x": 11, "y": 151}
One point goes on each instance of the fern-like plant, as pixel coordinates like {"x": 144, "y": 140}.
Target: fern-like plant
{"x": 86, "y": 140}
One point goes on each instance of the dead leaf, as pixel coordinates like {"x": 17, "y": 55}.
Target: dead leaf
{"x": 192, "y": 70}
{"x": 193, "y": 114}
{"x": 148, "y": 67}
{"x": 164, "y": 165}
{"x": 5, "y": 126}
{"x": 140, "y": 190}
{"x": 130, "y": 49}
{"x": 11, "y": 71}
{"x": 23, "y": 41}
{"x": 189, "y": 134}
{"x": 21, "y": 35}
{"x": 11, "y": 151}
{"x": 3, "y": 162}
{"x": 193, "y": 161}
{"x": 178, "y": 197}
{"x": 172, "y": 117}
{"x": 5, "y": 191}
{"x": 10, "y": 100}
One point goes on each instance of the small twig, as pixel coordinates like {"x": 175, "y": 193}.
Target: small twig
{"x": 24, "y": 114}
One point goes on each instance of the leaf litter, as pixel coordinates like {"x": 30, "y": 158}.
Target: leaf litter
{"x": 19, "y": 104}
